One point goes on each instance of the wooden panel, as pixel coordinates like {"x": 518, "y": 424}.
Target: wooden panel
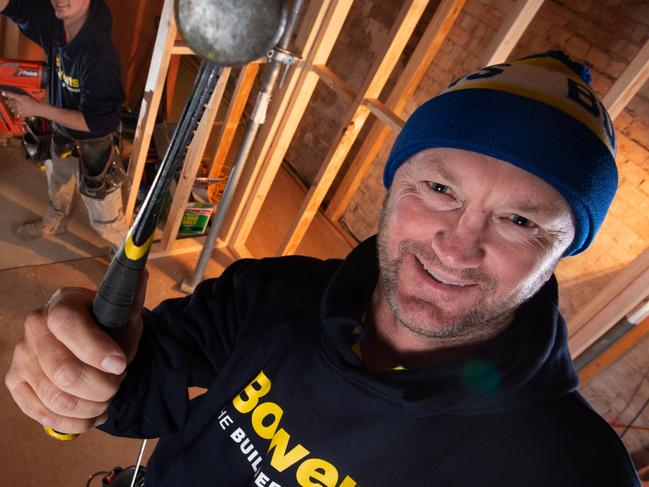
{"x": 150, "y": 102}
{"x": 323, "y": 22}
{"x": 615, "y": 351}
{"x": 397, "y": 39}
{"x": 628, "y": 84}
{"x": 192, "y": 162}
{"x": 232, "y": 119}
{"x": 430, "y": 42}
{"x": 629, "y": 287}
{"x": 510, "y": 31}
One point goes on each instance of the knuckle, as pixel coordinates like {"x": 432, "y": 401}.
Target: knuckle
{"x": 69, "y": 376}
{"x": 61, "y": 402}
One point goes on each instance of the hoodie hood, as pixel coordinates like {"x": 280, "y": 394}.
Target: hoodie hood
{"x": 527, "y": 364}
{"x": 98, "y": 24}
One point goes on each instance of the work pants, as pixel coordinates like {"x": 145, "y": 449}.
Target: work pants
{"x": 106, "y": 215}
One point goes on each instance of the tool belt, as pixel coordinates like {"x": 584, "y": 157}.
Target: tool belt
{"x": 100, "y": 168}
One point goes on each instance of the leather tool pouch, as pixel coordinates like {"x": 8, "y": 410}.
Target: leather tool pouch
{"x": 100, "y": 168}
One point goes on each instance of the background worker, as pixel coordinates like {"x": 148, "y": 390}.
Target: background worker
{"x": 433, "y": 355}
{"x": 85, "y": 95}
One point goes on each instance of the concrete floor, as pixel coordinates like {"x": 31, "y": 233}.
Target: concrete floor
{"x": 31, "y": 272}
{"x": 23, "y": 198}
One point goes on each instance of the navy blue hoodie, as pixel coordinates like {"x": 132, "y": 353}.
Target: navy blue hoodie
{"x": 289, "y": 403}
{"x": 86, "y": 73}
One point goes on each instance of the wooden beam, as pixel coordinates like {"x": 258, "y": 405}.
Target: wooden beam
{"x": 335, "y": 82}
{"x": 232, "y": 119}
{"x": 615, "y": 351}
{"x": 321, "y": 27}
{"x": 418, "y": 64}
{"x": 398, "y": 37}
{"x": 628, "y": 84}
{"x": 150, "y": 102}
{"x": 181, "y": 47}
{"x": 510, "y": 32}
{"x": 189, "y": 245}
{"x": 384, "y": 114}
{"x": 192, "y": 162}
{"x": 627, "y": 289}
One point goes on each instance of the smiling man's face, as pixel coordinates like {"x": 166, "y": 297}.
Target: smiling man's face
{"x": 70, "y": 9}
{"x": 464, "y": 240}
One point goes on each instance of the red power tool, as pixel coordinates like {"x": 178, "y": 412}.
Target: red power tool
{"x": 25, "y": 78}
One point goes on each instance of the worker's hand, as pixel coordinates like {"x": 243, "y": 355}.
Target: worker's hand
{"x": 23, "y": 105}
{"x": 65, "y": 370}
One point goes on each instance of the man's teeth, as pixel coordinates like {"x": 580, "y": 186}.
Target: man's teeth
{"x": 437, "y": 278}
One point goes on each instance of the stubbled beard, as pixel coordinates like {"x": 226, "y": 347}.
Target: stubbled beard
{"x": 482, "y": 319}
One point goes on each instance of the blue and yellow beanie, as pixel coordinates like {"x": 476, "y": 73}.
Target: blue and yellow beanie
{"x": 538, "y": 113}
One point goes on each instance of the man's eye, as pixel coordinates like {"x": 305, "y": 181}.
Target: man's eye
{"x": 438, "y": 188}
{"x": 521, "y": 221}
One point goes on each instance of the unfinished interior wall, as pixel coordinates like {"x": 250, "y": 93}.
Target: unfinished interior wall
{"x": 367, "y": 25}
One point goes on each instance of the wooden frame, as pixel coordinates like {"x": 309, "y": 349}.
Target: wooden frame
{"x": 628, "y": 84}
{"x": 320, "y": 29}
{"x": 510, "y": 32}
{"x": 615, "y": 351}
{"x": 414, "y": 72}
{"x": 409, "y": 15}
{"x": 192, "y": 162}
{"x": 160, "y": 59}
{"x": 232, "y": 121}
{"x": 628, "y": 289}
{"x": 167, "y": 45}
{"x": 314, "y": 69}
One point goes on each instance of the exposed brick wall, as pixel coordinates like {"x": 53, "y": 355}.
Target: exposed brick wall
{"x": 366, "y": 27}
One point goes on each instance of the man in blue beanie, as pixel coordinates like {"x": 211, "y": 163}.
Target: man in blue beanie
{"x": 433, "y": 355}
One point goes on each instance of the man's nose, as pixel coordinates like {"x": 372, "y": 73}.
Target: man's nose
{"x": 460, "y": 243}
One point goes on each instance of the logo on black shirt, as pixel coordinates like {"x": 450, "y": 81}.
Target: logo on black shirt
{"x": 70, "y": 83}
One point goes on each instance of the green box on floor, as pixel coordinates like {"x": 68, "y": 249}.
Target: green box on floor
{"x": 195, "y": 219}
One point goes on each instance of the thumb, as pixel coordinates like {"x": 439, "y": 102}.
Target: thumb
{"x": 10, "y": 95}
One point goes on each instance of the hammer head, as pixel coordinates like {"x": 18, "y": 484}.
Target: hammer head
{"x": 231, "y": 32}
